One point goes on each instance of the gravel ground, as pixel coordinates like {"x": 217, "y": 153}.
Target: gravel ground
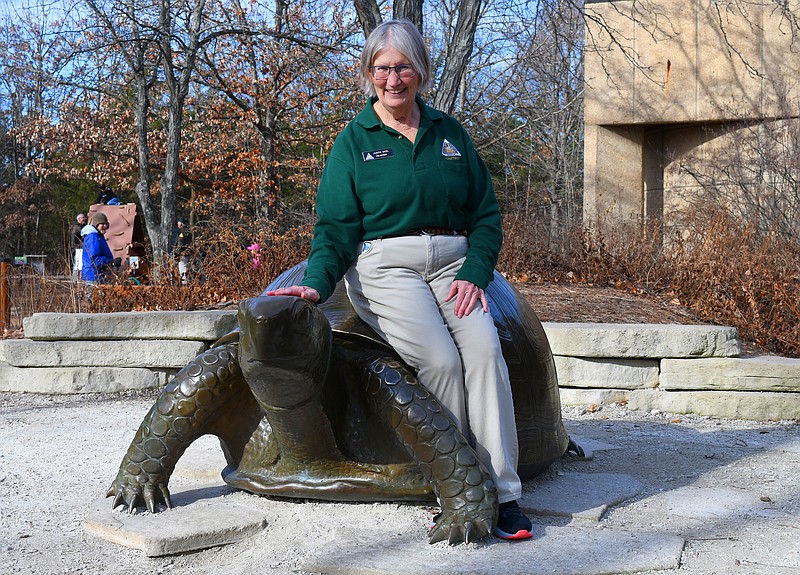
{"x": 730, "y": 488}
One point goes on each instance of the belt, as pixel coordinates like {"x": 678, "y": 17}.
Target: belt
{"x": 427, "y": 232}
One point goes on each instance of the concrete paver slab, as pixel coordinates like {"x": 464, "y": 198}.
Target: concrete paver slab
{"x": 553, "y": 550}
{"x": 758, "y": 406}
{"x": 69, "y": 380}
{"x": 112, "y": 353}
{"x": 715, "y": 503}
{"x": 578, "y": 495}
{"x": 590, "y": 445}
{"x": 575, "y": 396}
{"x": 202, "y": 462}
{"x": 607, "y": 373}
{"x": 206, "y": 325}
{"x": 657, "y": 341}
{"x": 201, "y": 518}
{"x": 753, "y": 373}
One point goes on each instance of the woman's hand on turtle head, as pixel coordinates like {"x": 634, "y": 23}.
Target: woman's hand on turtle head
{"x": 466, "y": 294}
{"x": 304, "y": 292}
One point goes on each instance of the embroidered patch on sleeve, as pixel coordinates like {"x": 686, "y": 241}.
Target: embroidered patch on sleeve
{"x": 377, "y": 154}
{"x": 449, "y": 150}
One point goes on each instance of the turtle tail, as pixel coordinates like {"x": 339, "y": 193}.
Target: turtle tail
{"x": 462, "y": 484}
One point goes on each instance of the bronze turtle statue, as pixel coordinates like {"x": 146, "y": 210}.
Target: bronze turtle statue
{"x": 307, "y": 401}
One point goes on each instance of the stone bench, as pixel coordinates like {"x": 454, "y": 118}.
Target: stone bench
{"x": 671, "y": 368}
{"x": 106, "y": 352}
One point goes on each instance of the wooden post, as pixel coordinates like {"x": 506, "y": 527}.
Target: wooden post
{"x": 5, "y": 298}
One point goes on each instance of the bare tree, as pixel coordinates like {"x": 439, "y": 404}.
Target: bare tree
{"x": 27, "y": 93}
{"x": 459, "y": 48}
{"x": 159, "y": 43}
{"x": 752, "y": 172}
{"x": 368, "y": 14}
{"x": 29, "y": 43}
{"x": 460, "y": 39}
{"x": 137, "y": 41}
{"x": 291, "y": 61}
{"x": 522, "y": 100}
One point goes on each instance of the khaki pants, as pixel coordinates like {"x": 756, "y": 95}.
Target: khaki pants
{"x": 398, "y": 286}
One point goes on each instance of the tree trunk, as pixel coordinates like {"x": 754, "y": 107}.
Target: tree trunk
{"x": 143, "y": 148}
{"x": 169, "y": 181}
{"x": 458, "y": 53}
{"x": 368, "y": 14}
{"x": 458, "y": 50}
{"x": 409, "y": 9}
{"x": 177, "y": 77}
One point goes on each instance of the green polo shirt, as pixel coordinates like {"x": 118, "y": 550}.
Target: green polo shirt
{"x": 376, "y": 183}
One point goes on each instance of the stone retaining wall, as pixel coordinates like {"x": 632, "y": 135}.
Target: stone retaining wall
{"x": 671, "y": 368}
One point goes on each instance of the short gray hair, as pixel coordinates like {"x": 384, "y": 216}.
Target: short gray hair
{"x": 403, "y": 36}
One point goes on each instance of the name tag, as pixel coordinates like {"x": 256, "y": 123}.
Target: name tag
{"x": 377, "y": 154}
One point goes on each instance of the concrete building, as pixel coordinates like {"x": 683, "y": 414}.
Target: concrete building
{"x": 671, "y": 87}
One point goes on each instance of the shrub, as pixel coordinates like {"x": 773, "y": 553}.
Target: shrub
{"x": 726, "y": 271}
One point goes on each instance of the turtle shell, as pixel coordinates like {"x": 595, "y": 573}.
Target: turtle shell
{"x": 534, "y": 384}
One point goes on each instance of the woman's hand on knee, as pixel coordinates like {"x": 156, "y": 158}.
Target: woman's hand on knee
{"x": 304, "y": 292}
{"x": 467, "y": 294}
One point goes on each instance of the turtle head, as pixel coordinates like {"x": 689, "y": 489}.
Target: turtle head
{"x": 284, "y": 349}
{"x": 284, "y": 330}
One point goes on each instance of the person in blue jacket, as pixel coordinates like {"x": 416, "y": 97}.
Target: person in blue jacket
{"x": 97, "y": 256}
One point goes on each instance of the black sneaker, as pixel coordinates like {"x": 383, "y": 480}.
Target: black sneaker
{"x": 512, "y": 522}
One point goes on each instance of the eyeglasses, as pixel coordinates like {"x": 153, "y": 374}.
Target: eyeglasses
{"x": 404, "y": 71}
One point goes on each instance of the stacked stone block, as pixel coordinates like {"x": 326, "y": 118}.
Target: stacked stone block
{"x": 671, "y": 368}
{"x": 106, "y": 352}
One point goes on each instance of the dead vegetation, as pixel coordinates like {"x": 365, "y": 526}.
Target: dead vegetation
{"x": 720, "y": 269}
{"x": 717, "y": 271}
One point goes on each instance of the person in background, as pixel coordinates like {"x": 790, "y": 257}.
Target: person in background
{"x": 107, "y": 196}
{"x": 183, "y": 249}
{"x": 408, "y": 215}
{"x": 76, "y": 245}
{"x": 97, "y": 257}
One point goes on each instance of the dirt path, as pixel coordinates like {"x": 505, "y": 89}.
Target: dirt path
{"x": 729, "y": 488}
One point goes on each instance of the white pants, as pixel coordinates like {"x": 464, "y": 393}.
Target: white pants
{"x": 183, "y": 268}
{"x": 398, "y": 286}
{"x": 77, "y": 264}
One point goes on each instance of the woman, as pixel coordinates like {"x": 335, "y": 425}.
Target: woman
{"x": 407, "y": 214}
{"x": 96, "y": 255}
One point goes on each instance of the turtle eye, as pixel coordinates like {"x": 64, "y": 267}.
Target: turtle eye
{"x": 302, "y": 314}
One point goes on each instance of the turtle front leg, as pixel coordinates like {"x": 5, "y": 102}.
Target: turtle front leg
{"x": 462, "y": 484}
{"x": 185, "y": 410}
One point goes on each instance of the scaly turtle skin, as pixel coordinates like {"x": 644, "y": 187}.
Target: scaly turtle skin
{"x": 307, "y": 401}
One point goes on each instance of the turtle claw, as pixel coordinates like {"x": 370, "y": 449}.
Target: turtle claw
{"x": 150, "y": 502}
{"x": 165, "y": 496}
{"x": 457, "y": 528}
{"x": 471, "y": 535}
{"x": 456, "y": 536}
{"x": 132, "y": 504}
{"x": 573, "y": 447}
{"x": 118, "y": 499}
{"x": 132, "y": 494}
